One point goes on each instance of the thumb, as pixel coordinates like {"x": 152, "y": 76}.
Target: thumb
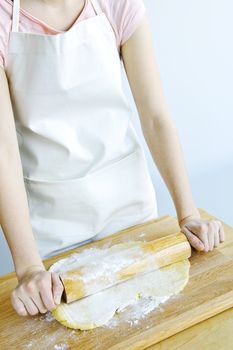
{"x": 194, "y": 240}
{"x": 57, "y": 287}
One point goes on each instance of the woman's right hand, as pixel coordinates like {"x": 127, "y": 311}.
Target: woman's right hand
{"x": 38, "y": 291}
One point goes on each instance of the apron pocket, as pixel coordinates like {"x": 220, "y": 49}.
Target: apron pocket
{"x": 60, "y": 209}
{"x": 122, "y": 191}
{"x": 77, "y": 209}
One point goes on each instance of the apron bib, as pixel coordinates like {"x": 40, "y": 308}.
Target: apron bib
{"x": 85, "y": 172}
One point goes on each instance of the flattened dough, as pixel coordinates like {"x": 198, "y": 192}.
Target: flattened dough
{"x": 97, "y": 309}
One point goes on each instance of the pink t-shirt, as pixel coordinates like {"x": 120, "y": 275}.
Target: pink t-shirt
{"x": 124, "y": 16}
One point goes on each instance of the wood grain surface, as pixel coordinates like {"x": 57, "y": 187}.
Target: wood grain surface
{"x": 208, "y": 293}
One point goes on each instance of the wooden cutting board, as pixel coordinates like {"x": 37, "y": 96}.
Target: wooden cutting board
{"x": 209, "y": 292}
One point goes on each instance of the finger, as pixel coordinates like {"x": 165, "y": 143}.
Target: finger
{"x": 45, "y": 289}
{"x": 204, "y": 238}
{"x": 193, "y": 239}
{"x": 32, "y": 292}
{"x": 57, "y": 287}
{"x": 29, "y": 305}
{"x": 216, "y": 233}
{"x": 201, "y": 232}
{"x": 210, "y": 234}
{"x": 18, "y": 305}
{"x": 216, "y": 238}
{"x": 221, "y": 232}
{"x": 39, "y": 303}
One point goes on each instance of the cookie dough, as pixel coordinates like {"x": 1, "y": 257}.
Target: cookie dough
{"x": 96, "y": 310}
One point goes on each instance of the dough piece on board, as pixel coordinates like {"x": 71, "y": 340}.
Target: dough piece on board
{"x": 97, "y": 309}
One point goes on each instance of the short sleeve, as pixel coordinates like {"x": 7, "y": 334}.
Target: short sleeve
{"x": 126, "y": 16}
{"x": 135, "y": 9}
{"x": 4, "y": 30}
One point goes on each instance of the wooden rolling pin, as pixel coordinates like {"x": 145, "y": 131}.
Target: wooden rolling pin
{"x": 113, "y": 265}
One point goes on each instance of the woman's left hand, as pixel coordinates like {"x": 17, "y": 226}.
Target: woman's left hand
{"x": 203, "y": 235}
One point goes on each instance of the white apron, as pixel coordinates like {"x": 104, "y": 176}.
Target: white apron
{"x": 85, "y": 171}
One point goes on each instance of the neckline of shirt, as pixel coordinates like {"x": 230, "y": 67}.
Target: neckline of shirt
{"x": 37, "y": 20}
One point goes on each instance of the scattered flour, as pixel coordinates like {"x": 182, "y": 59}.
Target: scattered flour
{"x": 61, "y": 347}
{"x": 135, "y": 313}
{"x": 95, "y": 268}
{"x": 44, "y": 332}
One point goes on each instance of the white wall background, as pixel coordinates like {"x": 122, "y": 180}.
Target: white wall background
{"x": 194, "y": 51}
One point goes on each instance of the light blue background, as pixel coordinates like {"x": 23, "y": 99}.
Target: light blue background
{"x": 194, "y": 51}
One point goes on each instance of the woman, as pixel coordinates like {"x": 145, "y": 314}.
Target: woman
{"x": 79, "y": 172}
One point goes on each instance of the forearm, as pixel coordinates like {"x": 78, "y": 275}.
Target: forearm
{"x": 14, "y": 214}
{"x": 164, "y": 144}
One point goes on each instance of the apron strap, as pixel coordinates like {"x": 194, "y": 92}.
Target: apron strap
{"x": 15, "y": 16}
{"x": 96, "y": 6}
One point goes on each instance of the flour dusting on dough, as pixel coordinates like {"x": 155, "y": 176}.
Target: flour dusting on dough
{"x": 98, "y": 269}
{"x": 148, "y": 290}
